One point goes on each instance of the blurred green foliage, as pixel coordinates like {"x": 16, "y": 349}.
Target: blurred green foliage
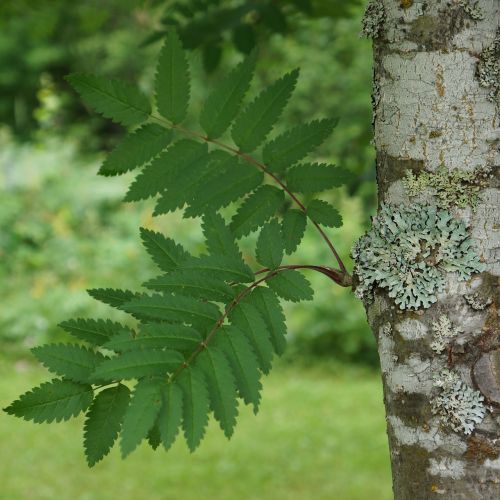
{"x": 63, "y": 229}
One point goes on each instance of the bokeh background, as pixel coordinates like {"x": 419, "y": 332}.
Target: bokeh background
{"x": 321, "y": 431}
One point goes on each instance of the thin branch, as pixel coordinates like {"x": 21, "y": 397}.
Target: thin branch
{"x": 265, "y": 169}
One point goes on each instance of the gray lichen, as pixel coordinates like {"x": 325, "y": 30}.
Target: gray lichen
{"x": 373, "y": 19}
{"x": 444, "y": 332}
{"x": 456, "y": 188}
{"x": 408, "y": 252}
{"x": 459, "y": 406}
{"x": 472, "y": 9}
{"x": 476, "y": 302}
{"x": 488, "y": 69}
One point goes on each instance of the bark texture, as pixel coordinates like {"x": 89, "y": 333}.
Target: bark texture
{"x": 431, "y": 110}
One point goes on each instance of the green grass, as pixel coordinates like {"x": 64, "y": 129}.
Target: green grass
{"x": 318, "y": 435}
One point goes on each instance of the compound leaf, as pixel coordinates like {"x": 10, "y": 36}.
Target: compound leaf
{"x": 256, "y": 121}
{"x": 103, "y": 422}
{"x": 172, "y": 82}
{"x": 141, "y": 414}
{"x": 224, "y": 102}
{"x": 270, "y": 248}
{"x": 260, "y": 206}
{"x": 136, "y": 149}
{"x": 121, "y": 102}
{"x": 136, "y": 364}
{"x": 71, "y": 361}
{"x": 323, "y": 213}
{"x": 56, "y": 400}
{"x": 291, "y": 285}
{"x": 293, "y": 227}
{"x": 295, "y": 144}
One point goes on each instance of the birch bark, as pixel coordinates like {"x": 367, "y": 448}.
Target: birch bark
{"x": 434, "y": 107}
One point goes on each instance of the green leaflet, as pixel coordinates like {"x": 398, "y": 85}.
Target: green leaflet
{"x": 163, "y": 171}
{"x": 315, "y": 177}
{"x": 112, "y": 297}
{"x": 224, "y": 102}
{"x": 157, "y": 336}
{"x": 218, "y": 237}
{"x": 121, "y": 102}
{"x": 170, "y": 417}
{"x": 323, "y": 213}
{"x": 166, "y": 254}
{"x": 141, "y": 414}
{"x": 73, "y": 362}
{"x": 270, "y": 248}
{"x": 256, "y": 121}
{"x": 243, "y": 361}
{"x": 221, "y": 387}
{"x": 225, "y": 268}
{"x": 291, "y": 285}
{"x": 295, "y": 144}
{"x": 293, "y": 227}
{"x": 247, "y": 318}
{"x": 172, "y": 308}
{"x": 223, "y": 189}
{"x": 269, "y": 307}
{"x": 260, "y": 206}
{"x": 103, "y": 422}
{"x": 195, "y": 405}
{"x": 94, "y": 331}
{"x": 154, "y": 438}
{"x": 193, "y": 284}
{"x": 56, "y": 400}
{"x": 136, "y": 149}
{"x": 137, "y": 364}
{"x": 172, "y": 83}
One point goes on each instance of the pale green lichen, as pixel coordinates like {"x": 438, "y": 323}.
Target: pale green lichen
{"x": 459, "y": 406}
{"x": 472, "y": 9}
{"x": 488, "y": 69}
{"x": 444, "y": 332}
{"x": 373, "y": 19}
{"x": 451, "y": 188}
{"x": 408, "y": 252}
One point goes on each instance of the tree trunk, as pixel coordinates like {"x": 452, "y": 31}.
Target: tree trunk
{"x": 435, "y": 104}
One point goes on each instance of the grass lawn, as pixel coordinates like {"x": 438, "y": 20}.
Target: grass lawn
{"x": 318, "y": 435}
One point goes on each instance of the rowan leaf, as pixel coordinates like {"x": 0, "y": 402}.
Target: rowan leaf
{"x": 103, "y": 422}
{"x": 247, "y": 318}
{"x": 141, "y": 414}
{"x": 195, "y": 405}
{"x": 260, "y": 206}
{"x": 223, "y": 104}
{"x": 219, "y": 191}
{"x": 172, "y": 82}
{"x": 224, "y": 267}
{"x": 255, "y": 122}
{"x": 166, "y": 254}
{"x": 156, "y": 336}
{"x": 136, "y": 364}
{"x": 221, "y": 387}
{"x": 171, "y": 412}
{"x": 315, "y": 177}
{"x": 293, "y": 227}
{"x": 243, "y": 361}
{"x": 93, "y": 331}
{"x": 295, "y": 144}
{"x": 323, "y": 213}
{"x": 137, "y": 149}
{"x": 269, "y": 307}
{"x": 57, "y": 400}
{"x": 121, "y": 102}
{"x": 270, "y": 248}
{"x": 291, "y": 285}
{"x": 163, "y": 171}
{"x": 70, "y": 361}
{"x": 218, "y": 237}
{"x": 111, "y": 296}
